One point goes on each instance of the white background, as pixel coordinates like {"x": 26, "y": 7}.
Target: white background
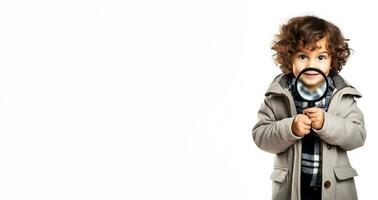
{"x": 154, "y": 99}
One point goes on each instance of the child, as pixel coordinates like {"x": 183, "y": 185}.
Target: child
{"x": 310, "y": 166}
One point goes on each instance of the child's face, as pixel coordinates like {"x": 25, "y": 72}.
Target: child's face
{"x": 318, "y": 58}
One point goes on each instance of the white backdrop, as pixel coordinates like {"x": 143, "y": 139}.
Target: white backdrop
{"x": 154, "y": 99}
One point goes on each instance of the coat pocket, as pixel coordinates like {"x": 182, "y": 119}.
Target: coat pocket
{"x": 280, "y": 184}
{"x": 279, "y": 174}
{"x": 343, "y": 173}
{"x": 345, "y": 187}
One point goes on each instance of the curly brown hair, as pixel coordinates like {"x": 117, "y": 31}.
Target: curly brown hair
{"x": 305, "y": 31}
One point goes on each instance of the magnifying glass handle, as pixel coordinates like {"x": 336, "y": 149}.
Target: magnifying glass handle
{"x": 311, "y": 104}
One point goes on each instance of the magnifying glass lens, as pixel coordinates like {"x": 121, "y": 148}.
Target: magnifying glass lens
{"x": 311, "y": 85}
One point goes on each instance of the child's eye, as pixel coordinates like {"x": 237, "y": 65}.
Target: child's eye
{"x": 322, "y": 57}
{"x": 302, "y": 57}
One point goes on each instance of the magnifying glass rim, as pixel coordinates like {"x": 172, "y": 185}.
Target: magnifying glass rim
{"x": 312, "y": 69}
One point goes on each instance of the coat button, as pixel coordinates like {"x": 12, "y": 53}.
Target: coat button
{"x": 327, "y": 184}
{"x": 329, "y": 146}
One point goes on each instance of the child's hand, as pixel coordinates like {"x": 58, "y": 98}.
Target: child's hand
{"x": 301, "y": 125}
{"x": 316, "y": 116}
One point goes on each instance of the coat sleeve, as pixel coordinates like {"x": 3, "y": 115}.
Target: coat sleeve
{"x": 272, "y": 135}
{"x": 345, "y": 129}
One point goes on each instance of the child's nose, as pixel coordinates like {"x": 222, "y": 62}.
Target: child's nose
{"x": 312, "y": 63}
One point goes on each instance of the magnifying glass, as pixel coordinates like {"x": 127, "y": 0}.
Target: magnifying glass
{"x": 311, "y": 85}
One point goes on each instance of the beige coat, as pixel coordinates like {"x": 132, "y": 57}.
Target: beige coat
{"x": 343, "y": 130}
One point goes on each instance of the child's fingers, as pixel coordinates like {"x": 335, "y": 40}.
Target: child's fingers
{"x": 306, "y": 120}
{"x": 317, "y": 113}
{"x": 311, "y": 110}
{"x": 314, "y": 120}
{"x": 313, "y": 115}
{"x": 307, "y": 127}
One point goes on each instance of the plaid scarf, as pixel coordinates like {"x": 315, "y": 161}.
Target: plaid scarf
{"x": 311, "y": 155}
